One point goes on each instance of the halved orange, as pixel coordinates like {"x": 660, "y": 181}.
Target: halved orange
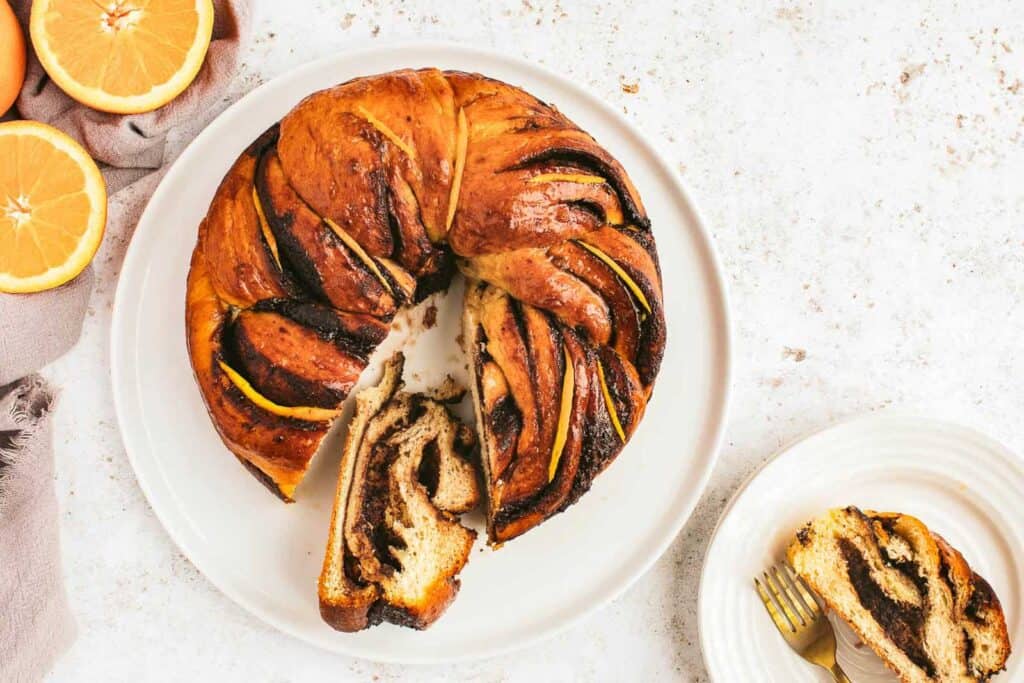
{"x": 12, "y": 56}
{"x": 122, "y": 56}
{"x": 53, "y": 207}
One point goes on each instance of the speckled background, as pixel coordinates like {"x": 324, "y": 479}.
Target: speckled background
{"x": 861, "y": 167}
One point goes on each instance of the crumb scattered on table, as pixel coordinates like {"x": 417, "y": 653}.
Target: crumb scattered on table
{"x": 798, "y": 355}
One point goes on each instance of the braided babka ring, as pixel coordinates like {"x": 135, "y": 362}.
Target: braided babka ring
{"x": 371, "y": 195}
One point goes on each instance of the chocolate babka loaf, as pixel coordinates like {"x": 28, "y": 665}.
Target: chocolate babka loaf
{"x": 908, "y": 594}
{"x": 395, "y": 545}
{"x": 369, "y": 196}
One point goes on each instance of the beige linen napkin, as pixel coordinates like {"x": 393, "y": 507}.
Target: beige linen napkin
{"x": 35, "y": 623}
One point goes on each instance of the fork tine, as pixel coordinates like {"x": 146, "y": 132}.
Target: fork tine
{"x": 783, "y": 602}
{"x": 799, "y": 617}
{"x": 795, "y": 603}
{"x": 803, "y": 590}
{"x": 781, "y": 622}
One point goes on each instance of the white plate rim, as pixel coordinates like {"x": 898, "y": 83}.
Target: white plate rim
{"x": 782, "y": 452}
{"x": 718, "y": 414}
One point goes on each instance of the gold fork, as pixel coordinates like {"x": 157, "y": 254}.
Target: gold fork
{"x": 799, "y": 618}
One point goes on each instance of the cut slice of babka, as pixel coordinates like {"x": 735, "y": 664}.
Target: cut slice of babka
{"x": 395, "y": 545}
{"x": 908, "y": 594}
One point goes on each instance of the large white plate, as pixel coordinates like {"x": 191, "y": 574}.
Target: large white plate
{"x": 962, "y": 484}
{"x": 266, "y": 555}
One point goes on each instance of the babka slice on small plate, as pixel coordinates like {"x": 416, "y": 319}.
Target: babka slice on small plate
{"x": 395, "y": 545}
{"x": 907, "y": 593}
{"x": 904, "y": 602}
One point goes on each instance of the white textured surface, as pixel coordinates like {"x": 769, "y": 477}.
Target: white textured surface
{"x": 861, "y": 172}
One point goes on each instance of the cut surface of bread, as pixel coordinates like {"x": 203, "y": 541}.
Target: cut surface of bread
{"x": 910, "y": 596}
{"x": 372, "y": 194}
{"x": 395, "y": 545}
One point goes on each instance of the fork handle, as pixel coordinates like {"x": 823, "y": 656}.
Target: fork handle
{"x": 838, "y": 674}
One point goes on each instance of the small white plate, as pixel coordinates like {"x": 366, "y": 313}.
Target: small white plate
{"x": 962, "y": 484}
{"x": 266, "y": 555}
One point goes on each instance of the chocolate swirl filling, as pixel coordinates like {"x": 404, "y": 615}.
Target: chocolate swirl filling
{"x": 902, "y": 622}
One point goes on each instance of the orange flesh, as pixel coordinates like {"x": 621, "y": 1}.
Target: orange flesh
{"x": 567, "y": 178}
{"x": 461, "y": 145}
{"x": 46, "y": 211}
{"x": 610, "y": 404}
{"x": 93, "y": 48}
{"x": 265, "y": 227}
{"x": 562, "y": 431}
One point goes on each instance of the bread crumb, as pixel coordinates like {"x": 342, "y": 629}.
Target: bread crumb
{"x": 629, "y": 88}
{"x": 911, "y": 72}
{"x": 798, "y": 355}
{"x": 430, "y": 317}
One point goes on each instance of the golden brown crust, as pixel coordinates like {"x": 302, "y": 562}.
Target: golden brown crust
{"x": 348, "y": 126}
{"x": 371, "y": 191}
{"x": 514, "y": 137}
{"x": 347, "y": 617}
{"x": 319, "y": 257}
{"x": 291, "y": 363}
{"x": 530, "y": 276}
{"x": 241, "y": 268}
{"x": 280, "y": 447}
{"x": 514, "y": 519}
